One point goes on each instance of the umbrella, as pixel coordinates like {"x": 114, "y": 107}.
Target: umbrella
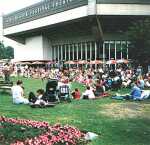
{"x": 95, "y": 62}
{"x": 82, "y": 62}
{"x": 2, "y": 61}
{"x": 23, "y": 63}
{"x": 38, "y": 62}
{"x": 123, "y": 61}
{"x": 51, "y": 62}
{"x": 111, "y": 62}
{"x": 70, "y": 62}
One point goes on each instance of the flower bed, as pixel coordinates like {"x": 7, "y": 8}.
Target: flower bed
{"x": 48, "y": 135}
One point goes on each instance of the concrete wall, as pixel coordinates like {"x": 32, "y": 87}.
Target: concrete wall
{"x": 91, "y": 7}
{"x": 83, "y": 11}
{"x": 49, "y": 20}
{"x": 32, "y": 50}
{"x": 123, "y": 9}
{"x": 1, "y": 28}
{"x": 47, "y": 48}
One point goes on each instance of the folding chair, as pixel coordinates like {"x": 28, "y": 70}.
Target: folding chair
{"x": 64, "y": 93}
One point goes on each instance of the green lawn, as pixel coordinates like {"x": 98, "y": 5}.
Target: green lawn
{"x": 116, "y": 122}
{"x": 11, "y": 133}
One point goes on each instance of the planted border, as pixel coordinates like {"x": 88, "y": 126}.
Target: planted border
{"x": 53, "y": 135}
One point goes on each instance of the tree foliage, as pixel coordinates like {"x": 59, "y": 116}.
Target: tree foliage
{"x": 139, "y": 36}
{"x": 6, "y": 52}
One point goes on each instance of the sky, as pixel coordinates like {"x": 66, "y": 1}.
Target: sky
{"x": 7, "y": 6}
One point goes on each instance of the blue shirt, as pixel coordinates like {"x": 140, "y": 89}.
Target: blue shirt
{"x": 136, "y": 92}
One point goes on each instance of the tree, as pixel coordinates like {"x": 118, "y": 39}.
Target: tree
{"x": 9, "y": 53}
{"x": 2, "y": 50}
{"x": 139, "y": 36}
{"x": 6, "y": 52}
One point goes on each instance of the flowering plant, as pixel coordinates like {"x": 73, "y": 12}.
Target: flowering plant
{"x": 53, "y": 135}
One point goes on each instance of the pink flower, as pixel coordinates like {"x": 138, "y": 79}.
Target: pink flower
{"x": 55, "y": 134}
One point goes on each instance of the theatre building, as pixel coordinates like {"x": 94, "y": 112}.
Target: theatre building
{"x": 74, "y": 29}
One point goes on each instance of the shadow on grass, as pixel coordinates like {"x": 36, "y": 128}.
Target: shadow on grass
{"x": 5, "y": 92}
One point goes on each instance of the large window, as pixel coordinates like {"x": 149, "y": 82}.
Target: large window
{"x": 77, "y": 51}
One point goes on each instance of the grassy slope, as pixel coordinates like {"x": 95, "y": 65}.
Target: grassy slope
{"x": 85, "y": 115}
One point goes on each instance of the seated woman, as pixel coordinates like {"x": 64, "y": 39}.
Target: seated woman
{"x": 99, "y": 88}
{"x": 88, "y": 94}
{"x": 17, "y": 93}
{"x": 76, "y": 94}
{"x": 136, "y": 92}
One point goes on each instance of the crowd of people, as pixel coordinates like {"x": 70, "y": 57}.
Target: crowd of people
{"x": 97, "y": 81}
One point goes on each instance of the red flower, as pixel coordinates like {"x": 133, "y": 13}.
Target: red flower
{"x": 55, "y": 134}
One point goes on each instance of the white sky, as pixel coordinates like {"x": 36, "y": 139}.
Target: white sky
{"x": 7, "y": 6}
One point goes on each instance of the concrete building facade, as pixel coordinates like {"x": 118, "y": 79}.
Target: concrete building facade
{"x": 74, "y": 29}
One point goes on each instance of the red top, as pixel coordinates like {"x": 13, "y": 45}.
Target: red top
{"x": 77, "y": 95}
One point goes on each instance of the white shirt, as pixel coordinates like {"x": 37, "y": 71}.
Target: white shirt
{"x": 116, "y": 78}
{"x": 89, "y": 93}
{"x": 17, "y": 92}
{"x": 40, "y": 97}
{"x": 63, "y": 84}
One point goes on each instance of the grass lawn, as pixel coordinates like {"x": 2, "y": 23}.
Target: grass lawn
{"x": 10, "y": 133}
{"x": 116, "y": 122}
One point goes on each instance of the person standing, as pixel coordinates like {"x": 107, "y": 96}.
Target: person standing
{"x": 6, "y": 72}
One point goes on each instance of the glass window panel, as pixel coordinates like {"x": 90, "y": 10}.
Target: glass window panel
{"x": 118, "y": 50}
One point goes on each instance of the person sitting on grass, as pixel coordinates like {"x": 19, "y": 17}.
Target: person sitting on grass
{"x": 136, "y": 94}
{"x": 76, "y": 94}
{"x": 88, "y": 94}
{"x": 136, "y": 91}
{"x": 99, "y": 88}
{"x": 38, "y": 99}
{"x": 18, "y": 93}
{"x": 32, "y": 98}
